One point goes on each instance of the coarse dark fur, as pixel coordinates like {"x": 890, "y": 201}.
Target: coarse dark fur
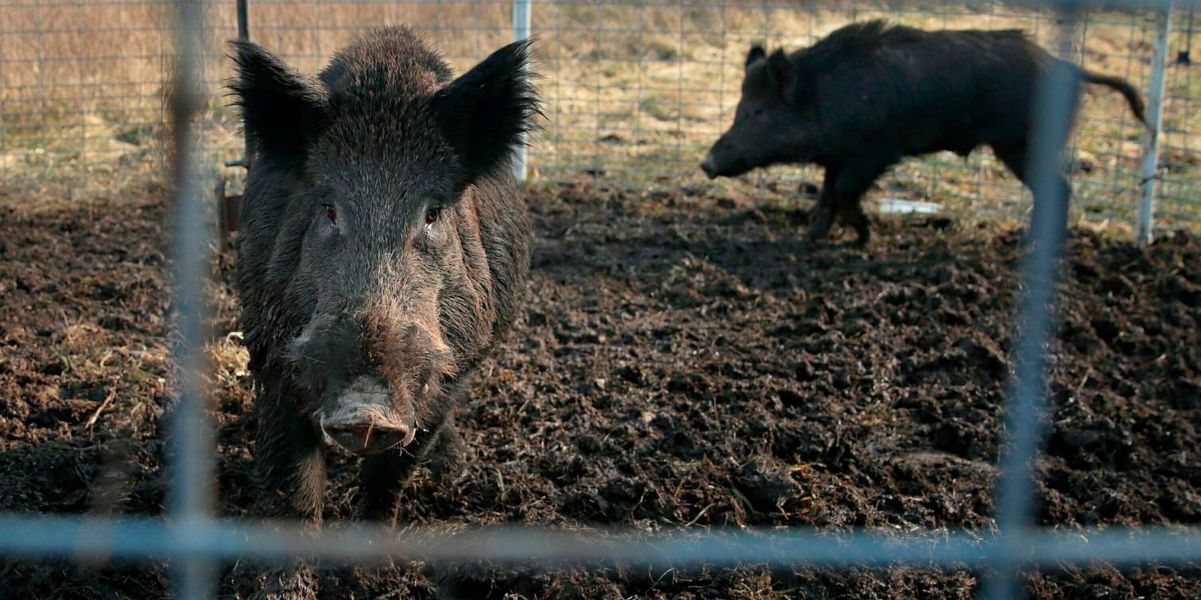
{"x": 382, "y": 236}
{"x": 869, "y": 94}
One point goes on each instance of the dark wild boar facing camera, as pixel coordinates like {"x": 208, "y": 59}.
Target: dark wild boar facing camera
{"x": 384, "y": 248}
{"x": 869, "y": 94}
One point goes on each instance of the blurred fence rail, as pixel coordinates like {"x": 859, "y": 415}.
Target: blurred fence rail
{"x": 635, "y": 91}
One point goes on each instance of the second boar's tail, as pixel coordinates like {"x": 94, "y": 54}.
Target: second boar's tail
{"x": 1122, "y": 86}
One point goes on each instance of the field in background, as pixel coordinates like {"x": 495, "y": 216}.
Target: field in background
{"x": 635, "y": 92}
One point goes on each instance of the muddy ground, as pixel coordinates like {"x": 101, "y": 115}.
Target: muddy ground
{"x": 684, "y": 361}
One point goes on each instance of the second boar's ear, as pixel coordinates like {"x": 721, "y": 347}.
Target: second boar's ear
{"x": 282, "y": 109}
{"x": 483, "y": 113}
{"x": 779, "y": 71}
{"x": 756, "y": 54}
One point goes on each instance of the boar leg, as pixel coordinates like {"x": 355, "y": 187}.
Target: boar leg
{"x": 383, "y": 475}
{"x": 851, "y": 182}
{"x": 446, "y": 458}
{"x": 1014, "y": 157}
{"x": 852, "y": 214}
{"x": 823, "y": 211}
{"x": 290, "y": 464}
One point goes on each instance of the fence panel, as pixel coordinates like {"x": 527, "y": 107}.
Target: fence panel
{"x": 635, "y": 92}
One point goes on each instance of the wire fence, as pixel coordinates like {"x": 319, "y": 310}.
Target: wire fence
{"x": 635, "y": 91}
{"x": 597, "y": 125}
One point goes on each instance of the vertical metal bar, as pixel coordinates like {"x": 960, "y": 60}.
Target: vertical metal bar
{"x": 244, "y": 35}
{"x": 1054, "y": 106}
{"x": 1155, "y": 96}
{"x": 598, "y": 168}
{"x": 559, "y": 134}
{"x": 191, "y": 452}
{"x": 640, "y": 66}
{"x": 243, "y": 21}
{"x": 679, "y": 157}
{"x": 721, "y": 77}
{"x": 81, "y": 72}
{"x": 247, "y": 147}
{"x": 761, "y": 174}
{"x": 43, "y": 109}
{"x": 521, "y": 31}
{"x": 1118, "y": 173}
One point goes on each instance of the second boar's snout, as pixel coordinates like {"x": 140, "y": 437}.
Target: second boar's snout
{"x": 708, "y": 167}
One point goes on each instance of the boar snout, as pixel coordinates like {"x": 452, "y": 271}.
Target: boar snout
{"x": 725, "y": 159}
{"x": 364, "y": 419}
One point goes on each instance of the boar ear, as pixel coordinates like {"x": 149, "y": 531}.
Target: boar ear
{"x": 779, "y": 71}
{"x": 483, "y": 114}
{"x": 757, "y": 53}
{"x": 282, "y": 110}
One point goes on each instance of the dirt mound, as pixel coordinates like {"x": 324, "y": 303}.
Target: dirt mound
{"x": 686, "y": 361}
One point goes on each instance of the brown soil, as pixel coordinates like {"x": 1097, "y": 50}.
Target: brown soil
{"x": 685, "y": 361}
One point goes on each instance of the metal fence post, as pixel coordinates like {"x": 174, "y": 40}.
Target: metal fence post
{"x": 1155, "y": 96}
{"x": 244, "y": 36}
{"x": 191, "y": 451}
{"x": 243, "y": 12}
{"x": 521, "y": 31}
{"x": 1016, "y": 492}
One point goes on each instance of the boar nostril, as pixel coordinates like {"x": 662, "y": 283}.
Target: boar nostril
{"x": 368, "y": 438}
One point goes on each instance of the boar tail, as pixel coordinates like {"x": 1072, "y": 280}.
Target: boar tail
{"x": 1122, "y": 86}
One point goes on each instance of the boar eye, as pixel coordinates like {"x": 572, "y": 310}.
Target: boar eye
{"x": 757, "y": 112}
{"x": 432, "y": 215}
{"x": 331, "y": 212}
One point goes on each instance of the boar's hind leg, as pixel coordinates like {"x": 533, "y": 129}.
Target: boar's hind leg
{"x": 1014, "y": 157}
{"x": 383, "y": 475}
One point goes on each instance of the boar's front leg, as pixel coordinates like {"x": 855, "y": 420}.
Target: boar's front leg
{"x": 383, "y": 475}
{"x": 851, "y": 183}
{"x": 290, "y": 465}
{"x": 289, "y": 461}
{"x": 852, "y": 214}
{"x": 823, "y": 211}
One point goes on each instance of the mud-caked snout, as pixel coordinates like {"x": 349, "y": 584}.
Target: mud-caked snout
{"x": 376, "y": 373}
{"x": 366, "y": 418}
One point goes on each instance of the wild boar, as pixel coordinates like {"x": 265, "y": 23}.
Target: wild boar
{"x": 869, "y": 94}
{"x": 384, "y": 247}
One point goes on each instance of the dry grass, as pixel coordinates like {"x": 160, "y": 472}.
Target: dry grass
{"x": 636, "y": 92}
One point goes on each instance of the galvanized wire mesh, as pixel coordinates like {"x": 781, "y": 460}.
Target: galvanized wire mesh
{"x": 636, "y": 91}
{"x": 644, "y": 126}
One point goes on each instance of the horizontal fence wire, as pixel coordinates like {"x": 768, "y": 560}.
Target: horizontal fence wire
{"x": 135, "y": 538}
